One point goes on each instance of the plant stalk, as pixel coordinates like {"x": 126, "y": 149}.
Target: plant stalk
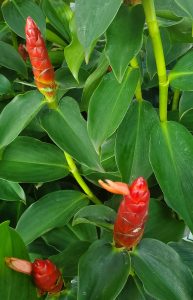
{"x": 138, "y": 93}
{"x": 73, "y": 169}
{"x": 154, "y": 32}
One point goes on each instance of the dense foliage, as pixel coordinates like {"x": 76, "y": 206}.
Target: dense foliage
{"x": 108, "y": 95}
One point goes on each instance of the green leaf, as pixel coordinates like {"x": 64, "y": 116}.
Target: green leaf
{"x": 53, "y": 210}
{"x": 119, "y": 48}
{"x": 109, "y": 104}
{"x": 16, "y": 12}
{"x": 5, "y": 85}
{"x": 73, "y": 138}
{"x": 11, "y": 59}
{"x": 18, "y": 114}
{"x": 93, "y": 18}
{"x": 186, "y": 110}
{"x": 171, "y": 152}
{"x": 106, "y": 269}
{"x": 29, "y": 160}
{"x": 185, "y": 251}
{"x": 132, "y": 142}
{"x": 13, "y": 246}
{"x": 56, "y": 13}
{"x": 162, "y": 224}
{"x": 162, "y": 272}
{"x": 74, "y": 53}
{"x": 99, "y": 215}
{"x": 69, "y": 258}
{"x": 181, "y": 76}
{"x": 66, "y": 81}
{"x": 186, "y": 6}
{"x": 11, "y": 191}
{"x": 93, "y": 81}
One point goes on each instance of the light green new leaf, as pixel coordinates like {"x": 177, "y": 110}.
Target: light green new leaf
{"x": 181, "y": 76}
{"x": 30, "y": 160}
{"x": 53, "y": 210}
{"x": 13, "y": 246}
{"x": 171, "y": 152}
{"x": 162, "y": 272}
{"x": 109, "y": 104}
{"x": 18, "y": 114}
{"x": 93, "y": 18}
{"x": 132, "y": 141}
{"x": 123, "y": 45}
{"x": 11, "y": 59}
{"x": 11, "y": 191}
{"x": 16, "y": 12}
{"x": 67, "y": 128}
{"x": 74, "y": 53}
{"x": 106, "y": 269}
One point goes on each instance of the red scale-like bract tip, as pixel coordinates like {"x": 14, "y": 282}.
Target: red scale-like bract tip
{"x": 47, "y": 277}
{"x": 38, "y": 54}
{"x": 132, "y": 213}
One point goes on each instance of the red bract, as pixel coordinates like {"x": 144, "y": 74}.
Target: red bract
{"x": 42, "y": 67}
{"x": 47, "y": 277}
{"x": 132, "y": 212}
{"x": 22, "y": 51}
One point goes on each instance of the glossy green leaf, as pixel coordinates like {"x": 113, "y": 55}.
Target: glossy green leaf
{"x": 171, "y": 152}
{"x": 16, "y": 12}
{"x": 186, "y": 6}
{"x": 186, "y": 109}
{"x": 168, "y": 8}
{"x": 162, "y": 224}
{"x": 74, "y": 53}
{"x": 66, "y": 81}
{"x": 119, "y": 48}
{"x": 73, "y": 138}
{"x": 13, "y": 246}
{"x": 93, "y": 18}
{"x": 109, "y": 104}
{"x": 11, "y": 191}
{"x": 98, "y": 215}
{"x": 52, "y": 210}
{"x": 132, "y": 142}
{"x": 68, "y": 259}
{"x": 5, "y": 85}
{"x": 162, "y": 272}
{"x": 106, "y": 269}
{"x": 93, "y": 81}
{"x": 29, "y": 160}
{"x": 181, "y": 76}
{"x": 18, "y": 114}
{"x": 56, "y": 13}
{"x": 108, "y": 155}
{"x": 11, "y": 59}
{"x": 185, "y": 251}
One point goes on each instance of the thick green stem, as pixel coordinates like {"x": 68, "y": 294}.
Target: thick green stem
{"x": 73, "y": 169}
{"x": 154, "y": 32}
{"x": 138, "y": 94}
{"x": 176, "y": 99}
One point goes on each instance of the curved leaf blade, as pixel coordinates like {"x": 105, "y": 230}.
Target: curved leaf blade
{"x": 53, "y": 210}
{"x": 162, "y": 272}
{"x": 17, "y": 115}
{"x": 11, "y": 191}
{"x": 42, "y": 162}
{"x": 171, "y": 152}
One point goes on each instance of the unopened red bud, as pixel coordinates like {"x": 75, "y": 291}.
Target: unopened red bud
{"x": 132, "y": 213}
{"x": 22, "y": 51}
{"x": 41, "y": 64}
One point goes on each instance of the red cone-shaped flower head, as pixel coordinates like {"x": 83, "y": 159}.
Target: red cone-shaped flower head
{"x": 47, "y": 276}
{"x": 42, "y": 67}
{"x": 132, "y": 212}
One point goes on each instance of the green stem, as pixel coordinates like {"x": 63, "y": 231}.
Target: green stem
{"x": 73, "y": 169}
{"x": 154, "y": 32}
{"x": 176, "y": 99}
{"x": 138, "y": 94}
